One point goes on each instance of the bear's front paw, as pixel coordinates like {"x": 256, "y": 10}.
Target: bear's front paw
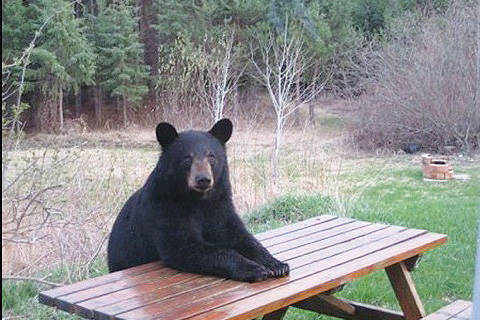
{"x": 252, "y": 273}
{"x": 277, "y": 268}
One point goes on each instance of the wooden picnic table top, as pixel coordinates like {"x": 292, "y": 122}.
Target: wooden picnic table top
{"x": 323, "y": 253}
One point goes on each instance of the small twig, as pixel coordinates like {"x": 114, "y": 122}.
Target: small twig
{"x": 99, "y": 248}
{"x": 18, "y": 278}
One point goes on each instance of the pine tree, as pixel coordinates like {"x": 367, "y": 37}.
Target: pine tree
{"x": 121, "y": 69}
{"x": 62, "y": 62}
{"x": 15, "y": 30}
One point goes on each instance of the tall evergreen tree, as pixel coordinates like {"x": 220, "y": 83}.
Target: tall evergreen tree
{"x": 121, "y": 69}
{"x": 15, "y": 29}
{"x": 62, "y": 62}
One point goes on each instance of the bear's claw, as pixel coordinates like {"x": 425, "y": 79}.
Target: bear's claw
{"x": 253, "y": 273}
{"x": 277, "y": 268}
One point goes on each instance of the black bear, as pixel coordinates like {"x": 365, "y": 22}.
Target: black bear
{"x": 184, "y": 214}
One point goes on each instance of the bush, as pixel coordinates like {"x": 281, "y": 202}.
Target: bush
{"x": 423, "y": 85}
{"x": 287, "y": 209}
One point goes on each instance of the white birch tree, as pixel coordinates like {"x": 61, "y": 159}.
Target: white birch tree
{"x": 280, "y": 66}
{"x": 217, "y": 63}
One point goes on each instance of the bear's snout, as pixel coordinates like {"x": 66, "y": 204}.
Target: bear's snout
{"x": 200, "y": 177}
{"x": 203, "y": 182}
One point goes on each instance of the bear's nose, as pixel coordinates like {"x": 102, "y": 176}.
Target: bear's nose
{"x": 202, "y": 182}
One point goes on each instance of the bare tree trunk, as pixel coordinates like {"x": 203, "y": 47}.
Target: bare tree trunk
{"x": 78, "y": 103}
{"x": 276, "y": 150}
{"x": 296, "y": 113}
{"x": 60, "y": 108}
{"x": 476, "y": 95}
{"x": 147, "y": 15}
{"x": 124, "y": 112}
{"x": 236, "y": 100}
{"x": 97, "y": 105}
{"x": 281, "y": 71}
{"x": 311, "y": 113}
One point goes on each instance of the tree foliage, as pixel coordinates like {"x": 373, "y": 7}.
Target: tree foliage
{"x": 120, "y": 68}
{"x": 109, "y": 45}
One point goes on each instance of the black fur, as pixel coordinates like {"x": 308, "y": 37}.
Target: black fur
{"x": 189, "y": 231}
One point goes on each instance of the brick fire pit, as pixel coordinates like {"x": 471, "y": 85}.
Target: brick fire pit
{"x": 436, "y": 169}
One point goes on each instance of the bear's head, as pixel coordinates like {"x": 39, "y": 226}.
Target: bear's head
{"x": 195, "y": 162}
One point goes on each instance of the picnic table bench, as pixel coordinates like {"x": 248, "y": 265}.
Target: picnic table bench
{"x": 457, "y": 310}
{"x": 324, "y": 253}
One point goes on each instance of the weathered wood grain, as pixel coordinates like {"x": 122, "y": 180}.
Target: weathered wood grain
{"x": 457, "y": 310}
{"x": 405, "y": 291}
{"x": 323, "y": 253}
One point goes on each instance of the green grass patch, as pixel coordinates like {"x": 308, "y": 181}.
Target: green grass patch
{"x": 403, "y": 198}
{"x": 285, "y": 210}
{"x": 400, "y": 197}
{"x": 21, "y": 297}
{"x": 13, "y": 293}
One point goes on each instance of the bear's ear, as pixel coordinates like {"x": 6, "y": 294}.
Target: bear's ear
{"x": 222, "y": 130}
{"x": 166, "y": 133}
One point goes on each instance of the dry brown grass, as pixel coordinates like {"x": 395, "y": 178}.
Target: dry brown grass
{"x": 100, "y": 170}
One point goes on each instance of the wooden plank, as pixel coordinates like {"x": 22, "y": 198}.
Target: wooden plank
{"x": 86, "y": 307}
{"x": 336, "y": 303}
{"x": 369, "y": 312}
{"x": 322, "y": 280}
{"x": 48, "y": 297}
{"x": 308, "y": 253}
{"x": 464, "y": 315}
{"x": 267, "y": 300}
{"x": 405, "y": 290}
{"x": 168, "y": 307}
{"x": 306, "y": 231}
{"x": 187, "y": 291}
{"x": 360, "y": 311}
{"x": 276, "y": 315}
{"x": 157, "y": 277}
{"x": 326, "y": 253}
{"x": 294, "y": 226}
{"x": 341, "y": 238}
{"x": 179, "y": 283}
{"x": 450, "y": 311}
{"x": 321, "y": 235}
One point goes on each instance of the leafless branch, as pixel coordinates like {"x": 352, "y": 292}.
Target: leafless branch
{"x": 283, "y": 63}
{"x": 42, "y": 281}
{"x": 217, "y": 61}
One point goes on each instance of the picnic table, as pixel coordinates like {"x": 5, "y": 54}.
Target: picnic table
{"x": 324, "y": 253}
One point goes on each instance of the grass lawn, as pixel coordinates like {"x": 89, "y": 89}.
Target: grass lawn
{"x": 400, "y": 197}
{"x": 403, "y": 198}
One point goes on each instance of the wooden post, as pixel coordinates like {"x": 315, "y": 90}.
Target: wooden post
{"x": 405, "y": 290}
{"x": 346, "y": 309}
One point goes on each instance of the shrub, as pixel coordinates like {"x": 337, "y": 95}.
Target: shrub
{"x": 288, "y": 209}
{"x": 424, "y": 85}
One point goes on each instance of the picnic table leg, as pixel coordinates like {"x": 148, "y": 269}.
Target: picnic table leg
{"x": 276, "y": 315}
{"x": 346, "y": 309}
{"x": 405, "y": 290}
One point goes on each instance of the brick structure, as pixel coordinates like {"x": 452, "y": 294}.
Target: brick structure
{"x": 436, "y": 169}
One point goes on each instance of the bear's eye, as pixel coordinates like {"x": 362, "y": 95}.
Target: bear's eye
{"x": 211, "y": 159}
{"x": 187, "y": 160}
